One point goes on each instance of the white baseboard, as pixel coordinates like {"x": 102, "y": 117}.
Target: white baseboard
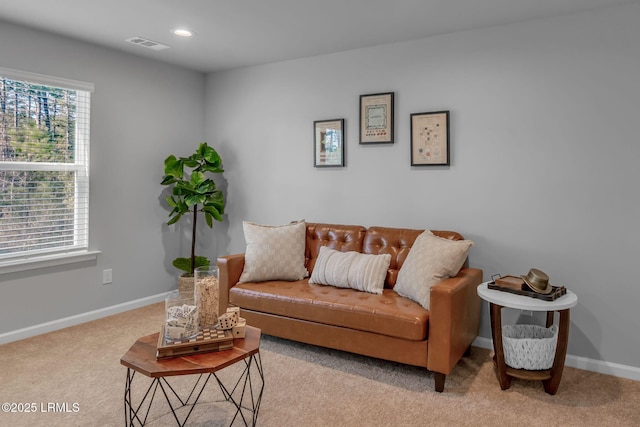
{"x": 78, "y": 319}
{"x": 599, "y": 366}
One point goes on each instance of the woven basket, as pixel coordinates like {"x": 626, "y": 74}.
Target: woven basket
{"x": 529, "y": 347}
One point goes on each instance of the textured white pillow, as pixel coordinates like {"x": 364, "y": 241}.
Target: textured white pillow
{"x": 431, "y": 259}
{"x": 363, "y": 272}
{"x": 274, "y": 252}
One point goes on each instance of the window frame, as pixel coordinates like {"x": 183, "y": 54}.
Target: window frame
{"x": 79, "y": 251}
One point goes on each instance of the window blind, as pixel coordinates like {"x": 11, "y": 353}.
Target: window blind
{"x": 44, "y": 166}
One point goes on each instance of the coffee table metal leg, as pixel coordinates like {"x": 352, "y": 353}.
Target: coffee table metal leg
{"x": 245, "y": 387}
{"x": 131, "y": 413}
{"x": 127, "y": 399}
{"x": 186, "y": 401}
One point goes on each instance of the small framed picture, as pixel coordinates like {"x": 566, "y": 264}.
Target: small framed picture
{"x": 376, "y": 118}
{"x": 328, "y": 143}
{"x": 430, "y": 139}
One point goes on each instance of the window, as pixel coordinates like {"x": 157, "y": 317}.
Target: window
{"x": 44, "y": 166}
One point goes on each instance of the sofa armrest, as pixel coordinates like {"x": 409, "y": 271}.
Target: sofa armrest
{"x": 454, "y": 319}
{"x": 230, "y": 269}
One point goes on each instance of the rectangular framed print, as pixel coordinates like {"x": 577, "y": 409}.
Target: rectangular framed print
{"x": 376, "y": 118}
{"x": 328, "y": 143}
{"x": 430, "y": 139}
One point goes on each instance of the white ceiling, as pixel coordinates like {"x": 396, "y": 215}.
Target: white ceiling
{"x": 238, "y": 33}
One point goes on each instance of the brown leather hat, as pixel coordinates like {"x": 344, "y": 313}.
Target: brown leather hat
{"x": 537, "y": 281}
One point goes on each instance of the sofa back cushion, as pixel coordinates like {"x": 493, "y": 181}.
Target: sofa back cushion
{"x": 397, "y": 242}
{"x": 342, "y": 238}
{"x": 375, "y": 240}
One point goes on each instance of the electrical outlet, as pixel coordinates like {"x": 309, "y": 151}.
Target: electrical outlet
{"x": 107, "y": 276}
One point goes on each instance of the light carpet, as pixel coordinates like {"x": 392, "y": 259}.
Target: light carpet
{"x": 78, "y": 368}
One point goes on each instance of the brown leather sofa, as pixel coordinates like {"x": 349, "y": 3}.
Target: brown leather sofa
{"x": 386, "y": 326}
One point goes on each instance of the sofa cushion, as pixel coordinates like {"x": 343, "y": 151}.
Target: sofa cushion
{"x": 350, "y": 269}
{"x": 336, "y": 236}
{"x": 274, "y": 252}
{"x": 430, "y": 260}
{"x": 393, "y": 241}
{"x": 387, "y": 314}
{"x": 397, "y": 242}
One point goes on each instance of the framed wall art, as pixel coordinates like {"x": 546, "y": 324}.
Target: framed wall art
{"x": 376, "y": 118}
{"x": 430, "y": 139}
{"x": 328, "y": 143}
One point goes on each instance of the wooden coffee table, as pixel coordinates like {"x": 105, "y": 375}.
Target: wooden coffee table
{"x": 141, "y": 358}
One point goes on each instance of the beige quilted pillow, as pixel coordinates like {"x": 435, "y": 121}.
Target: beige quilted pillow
{"x": 431, "y": 259}
{"x": 363, "y": 272}
{"x": 274, "y": 252}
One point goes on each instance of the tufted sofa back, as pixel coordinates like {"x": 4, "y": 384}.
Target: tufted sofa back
{"x": 343, "y": 238}
{"x": 374, "y": 240}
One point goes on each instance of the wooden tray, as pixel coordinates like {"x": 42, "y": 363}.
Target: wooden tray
{"x": 511, "y": 284}
{"x": 206, "y": 340}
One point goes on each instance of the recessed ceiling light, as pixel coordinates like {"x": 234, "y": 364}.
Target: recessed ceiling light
{"x": 183, "y": 32}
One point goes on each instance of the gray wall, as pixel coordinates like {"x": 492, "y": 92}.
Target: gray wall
{"x": 543, "y": 174}
{"x": 142, "y": 111}
{"x": 544, "y": 149}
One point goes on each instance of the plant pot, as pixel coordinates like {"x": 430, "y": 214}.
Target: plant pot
{"x": 185, "y": 285}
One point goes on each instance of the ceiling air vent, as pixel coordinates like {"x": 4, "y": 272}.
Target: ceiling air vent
{"x": 149, "y": 44}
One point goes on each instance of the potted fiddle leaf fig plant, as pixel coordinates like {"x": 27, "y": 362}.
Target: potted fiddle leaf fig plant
{"x": 193, "y": 191}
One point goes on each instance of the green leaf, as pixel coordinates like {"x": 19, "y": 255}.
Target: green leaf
{"x": 168, "y": 180}
{"x": 202, "y": 150}
{"x": 190, "y": 162}
{"x": 197, "y": 178}
{"x": 177, "y": 204}
{"x": 212, "y": 158}
{"x": 216, "y": 201}
{"x": 195, "y": 199}
{"x": 173, "y": 167}
{"x": 174, "y": 219}
{"x": 183, "y": 264}
{"x": 205, "y": 188}
{"x": 211, "y": 210}
{"x": 202, "y": 261}
{"x": 208, "y": 219}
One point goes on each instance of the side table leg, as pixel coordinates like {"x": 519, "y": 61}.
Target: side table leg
{"x": 496, "y": 331}
{"x": 551, "y": 385}
{"x": 549, "y": 319}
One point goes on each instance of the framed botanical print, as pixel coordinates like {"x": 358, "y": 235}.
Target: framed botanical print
{"x": 430, "y": 139}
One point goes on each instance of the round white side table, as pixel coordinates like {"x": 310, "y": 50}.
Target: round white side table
{"x": 497, "y": 301}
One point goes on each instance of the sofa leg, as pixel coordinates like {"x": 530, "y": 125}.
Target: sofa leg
{"x": 439, "y": 378}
